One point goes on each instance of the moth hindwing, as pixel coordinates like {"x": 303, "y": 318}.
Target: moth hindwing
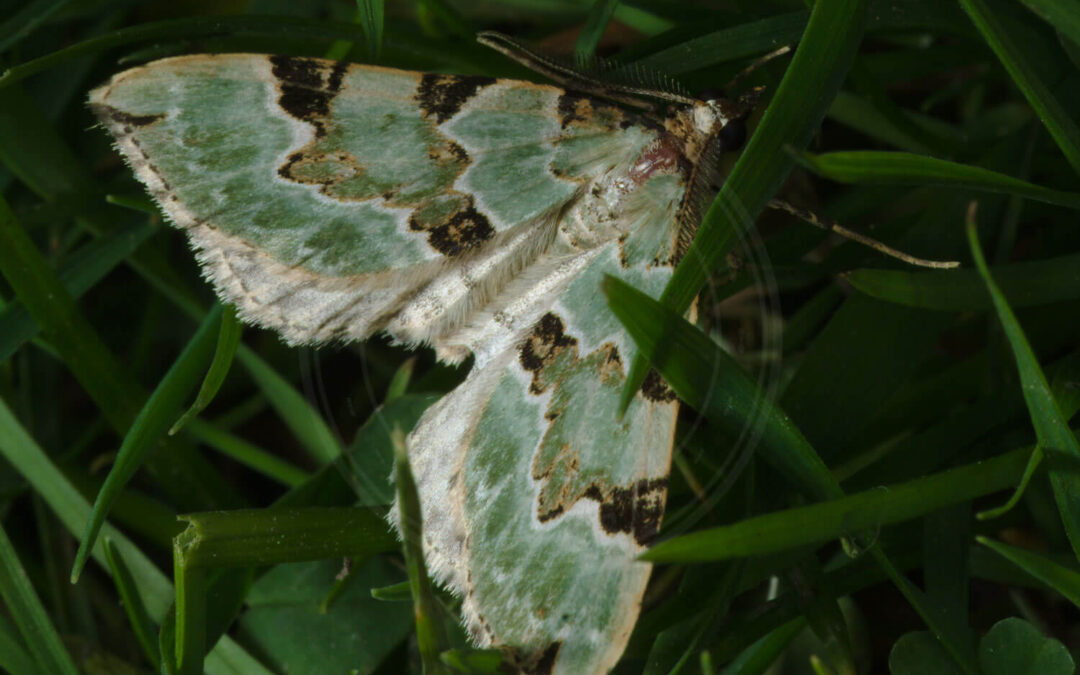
{"x": 329, "y": 201}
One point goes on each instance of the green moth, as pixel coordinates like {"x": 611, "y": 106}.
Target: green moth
{"x": 330, "y": 200}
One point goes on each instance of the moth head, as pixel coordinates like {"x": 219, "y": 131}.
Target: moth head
{"x": 724, "y": 118}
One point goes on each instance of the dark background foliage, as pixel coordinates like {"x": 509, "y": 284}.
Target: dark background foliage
{"x": 924, "y": 395}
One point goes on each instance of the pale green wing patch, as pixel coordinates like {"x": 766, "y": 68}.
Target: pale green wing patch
{"x": 322, "y": 197}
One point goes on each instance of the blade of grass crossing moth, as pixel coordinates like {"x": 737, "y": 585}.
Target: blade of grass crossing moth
{"x": 228, "y": 338}
{"x": 1060, "y": 14}
{"x": 1051, "y": 427}
{"x": 710, "y": 381}
{"x": 1024, "y": 70}
{"x": 148, "y": 427}
{"x": 816, "y": 73}
{"x": 133, "y": 604}
{"x": 83, "y": 271}
{"x": 596, "y": 22}
{"x": 430, "y": 637}
{"x": 862, "y": 511}
{"x": 904, "y": 168}
{"x": 1064, "y": 580}
{"x": 371, "y": 20}
{"x": 1025, "y": 284}
{"x": 40, "y": 636}
{"x": 18, "y": 448}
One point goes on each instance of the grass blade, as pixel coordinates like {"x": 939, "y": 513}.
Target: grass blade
{"x": 246, "y": 453}
{"x": 709, "y": 380}
{"x": 138, "y": 617}
{"x": 1060, "y": 14}
{"x": 869, "y": 510}
{"x": 958, "y": 642}
{"x": 84, "y": 270}
{"x": 816, "y": 72}
{"x": 187, "y": 28}
{"x": 1056, "y": 439}
{"x": 65, "y": 327}
{"x": 1024, "y": 70}
{"x": 258, "y": 537}
{"x": 228, "y": 339}
{"x": 370, "y": 13}
{"x": 18, "y": 448}
{"x": 730, "y": 44}
{"x": 26, "y": 610}
{"x": 189, "y": 636}
{"x": 147, "y": 429}
{"x": 26, "y": 20}
{"x": 13, "y": 657}
{"x": 295, "y": 410}
{"x": 904, "y": 168}
{"x": 1064, "y": 580}
{"x": 595, "y": 24}
{"x": 1025, "y": 284}
{"x": 430, "y": 636}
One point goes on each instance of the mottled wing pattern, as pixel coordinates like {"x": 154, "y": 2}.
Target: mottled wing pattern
{"x": 329, "y": 200}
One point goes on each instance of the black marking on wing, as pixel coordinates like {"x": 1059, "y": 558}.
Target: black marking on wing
{"x": 128, "y": 121}
{"x": 542, "y": 346}
{"x": 442, "y": 96}
{"x": 308, "y": 86}
{"x": 634, "y": 510}
{"x": 573, "y": 108}
{"x": 655, "y": 389}
{"x": 462, "y": 231}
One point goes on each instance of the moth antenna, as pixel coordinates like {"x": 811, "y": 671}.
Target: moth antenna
{"x": 754, "y": 65}
{"x": 572, "y": 78}
{"x": 832, "y": 226}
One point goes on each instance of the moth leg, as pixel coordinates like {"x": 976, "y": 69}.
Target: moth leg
{"x": 830, "y": 225}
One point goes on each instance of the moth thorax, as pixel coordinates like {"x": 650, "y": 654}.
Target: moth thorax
{"x": 709, "y": 116}
{"x": 598, "y": 216}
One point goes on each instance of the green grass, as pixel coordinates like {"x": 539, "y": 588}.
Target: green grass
{"x": 891, "y": 410}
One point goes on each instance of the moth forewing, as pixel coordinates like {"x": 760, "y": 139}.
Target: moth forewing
{"x": 329, "y": 201}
